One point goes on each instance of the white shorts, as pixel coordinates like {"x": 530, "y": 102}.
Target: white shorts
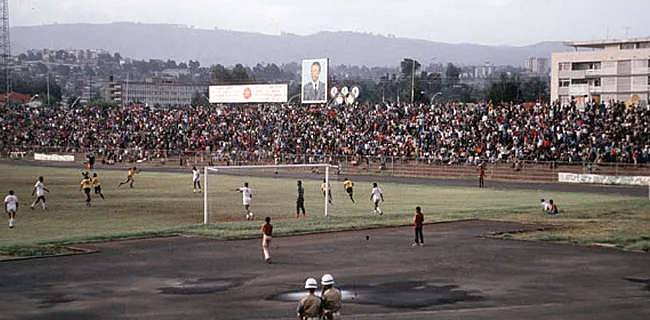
{"x": 11, "y": 208}
{"x": 196, "y": 180}
{"x": 247, "y": 202}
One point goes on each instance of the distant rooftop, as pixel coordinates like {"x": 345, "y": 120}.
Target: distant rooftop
{"x": 601, "y": 44}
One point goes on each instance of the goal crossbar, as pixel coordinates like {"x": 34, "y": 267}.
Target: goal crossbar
{"x": 206, "y": 170}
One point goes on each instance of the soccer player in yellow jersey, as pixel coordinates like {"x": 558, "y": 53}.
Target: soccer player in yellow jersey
{"x": 97, "y": 185}
{"x": 347, "y": 185}
{"x": 86, "y": 184}
{"x": 129, "y": 177}
{"x": 327, "y": 188}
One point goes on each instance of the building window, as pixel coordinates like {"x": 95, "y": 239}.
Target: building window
{"x": 643, "y": 45}
{"x": 579, "y": 81}
{"x": 597, "y": 82}
{"x": 565, "y": 66}
{"x": 564, "y": 83}
{"x": 627, "y": 46}
{"x": 581, "y": 66}
{"x": 649, "y": 80}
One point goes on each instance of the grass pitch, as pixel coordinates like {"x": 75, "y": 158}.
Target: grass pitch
{"x": 163, "y": 204}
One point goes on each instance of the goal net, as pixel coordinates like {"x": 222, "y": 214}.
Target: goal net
{"x": 273, "y": 191}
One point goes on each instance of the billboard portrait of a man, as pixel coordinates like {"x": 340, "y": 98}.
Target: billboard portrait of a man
{"x": 314, "y": 81}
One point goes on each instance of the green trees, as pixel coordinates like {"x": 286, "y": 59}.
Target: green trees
{"x": 237, "y": 75}
{"x": 38, "y": 86}
{"x": 513, "y": 89}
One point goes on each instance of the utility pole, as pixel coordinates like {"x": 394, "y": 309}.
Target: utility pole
{"x": 125, "y": 97}
{"x": 48, "y": 87}
{"x": 412, "y": 80}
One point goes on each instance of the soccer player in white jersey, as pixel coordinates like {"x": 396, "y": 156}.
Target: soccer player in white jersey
{"x": 247, "y": 197}
{"x": 11, "y": 206}
{"x": 375, "y": 196}
{"x": 39, "y": 189}
{"x": 196, "y": 178}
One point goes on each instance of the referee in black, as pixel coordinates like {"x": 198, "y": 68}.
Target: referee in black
{"x": 300, "y": 201}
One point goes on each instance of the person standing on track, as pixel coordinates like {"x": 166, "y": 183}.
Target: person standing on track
{"x": 375, "y": 196}
{"x": 481, "y": 175}
{"x": 247, "y": 197}
{"x": 40, "y": 190}
{"x": 267, "y": 234}
{"x": 86, "y": 184}
{"x": 347, "y": 185}
{"x": 418, "y": 221}
{"x": 310, "y": 306}
{"x": 300, "y": 200}
{"x": 332, "y": 299}
{"x": 196, "y": 178}
{"x": 97, "y": 185}
{"x": 11, "y": 206}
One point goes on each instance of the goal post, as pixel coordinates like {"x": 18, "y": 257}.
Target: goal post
{"x": 223, "y": 169}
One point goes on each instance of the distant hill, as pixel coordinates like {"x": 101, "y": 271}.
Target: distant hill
{"x": 181, "y": 43}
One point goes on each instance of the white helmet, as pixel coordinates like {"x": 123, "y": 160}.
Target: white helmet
{"x": 311, "y": 284}
{"x": 327, "y": 279}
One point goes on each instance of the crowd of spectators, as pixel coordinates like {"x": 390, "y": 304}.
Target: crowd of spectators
{"x": 442, "y": 133}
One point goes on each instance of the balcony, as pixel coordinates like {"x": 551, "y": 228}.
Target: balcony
{"x": 579, "y": 90}
{"x": 567, "y": 74}
{"x": 593, "y": 73}
{"x": 595, "y": 89}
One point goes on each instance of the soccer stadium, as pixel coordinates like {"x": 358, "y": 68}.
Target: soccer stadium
{"x": 310, "y": 200}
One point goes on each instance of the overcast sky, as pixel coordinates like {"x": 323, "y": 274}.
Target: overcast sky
{"x": 496, "y": 22}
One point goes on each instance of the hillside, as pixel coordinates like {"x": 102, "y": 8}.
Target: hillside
{"x": 166, "y": 41}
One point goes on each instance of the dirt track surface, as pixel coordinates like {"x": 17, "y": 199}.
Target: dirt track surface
{"x": 457, "y": 275}
{"x": 633, "y": 191}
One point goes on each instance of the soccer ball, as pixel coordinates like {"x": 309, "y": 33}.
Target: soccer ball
{"x": 249, "y": 216}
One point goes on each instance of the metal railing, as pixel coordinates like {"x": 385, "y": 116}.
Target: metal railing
{"x": 350, "y": 164}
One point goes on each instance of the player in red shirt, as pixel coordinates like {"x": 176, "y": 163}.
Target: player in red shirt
{"x": 481, "y": 174}
{"x": 267, "y": 233}
{"x": 418, "y": 220}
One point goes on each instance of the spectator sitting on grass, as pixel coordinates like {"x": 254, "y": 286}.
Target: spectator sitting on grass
{"x": 553, "y": 210}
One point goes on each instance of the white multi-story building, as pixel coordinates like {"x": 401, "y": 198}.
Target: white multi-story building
{"x": 607, "y": 70}
{"x": 484, "y": 71}
{"x": 536, "y": 65}
{"x": 152, "y": 93}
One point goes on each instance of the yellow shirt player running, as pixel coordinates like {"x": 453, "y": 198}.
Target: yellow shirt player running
{"x": 347, "y": 185}
{"x": 327, "y": 188}
{"x": 86, "y": 184}
{"x": 129, "y": 177}
{"x": 97, "y": 185}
